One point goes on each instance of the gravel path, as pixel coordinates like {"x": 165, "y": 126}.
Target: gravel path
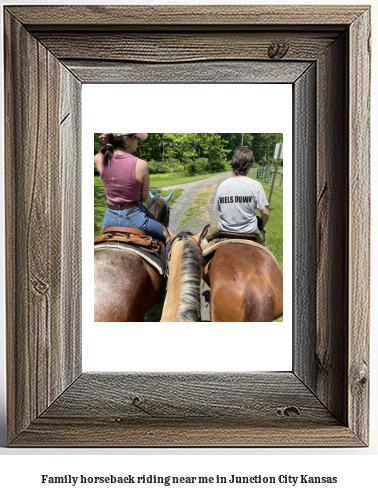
{"x": 191, "y": 191}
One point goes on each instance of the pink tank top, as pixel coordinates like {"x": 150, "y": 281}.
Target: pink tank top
{"x": 119, "y": 179}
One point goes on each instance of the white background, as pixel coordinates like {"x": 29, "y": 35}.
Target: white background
{"x": 356, "y": 468}
{"x": 208, "y": 346}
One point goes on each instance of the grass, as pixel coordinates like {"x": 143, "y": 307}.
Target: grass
{"x": 196, "y": 208}
{"x": 274, "y": 228}
{"x": 99, "y": 205}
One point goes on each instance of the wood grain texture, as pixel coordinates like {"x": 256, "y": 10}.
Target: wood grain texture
{"x": 184, "y": 16}
{"x": 33, "y": 198}
{"x": 324, "y": 402}
{"x": 359, "y": 242}
{"x": 35, "y": 207}
{"x": 304, "y": 228}
{"x": 193, "y": 409}
{"x": 181, "y": 47}
{"x": 200, "y": 72}
{"x": 242, "y": 397}
{"x": 331, "y": 349}
{"x": 71, "y": 229}
{"x": 100, "y": 432}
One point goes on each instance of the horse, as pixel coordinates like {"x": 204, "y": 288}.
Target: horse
{"x": 246, "y": 283}
{"x": 183, "y": 299}
{"x": 125, "y": 285}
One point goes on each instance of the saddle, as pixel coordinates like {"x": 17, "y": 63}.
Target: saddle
{"x": 129, "y": 235}
{"x": 137, "y": 241}
{"x": 235, "y": 236}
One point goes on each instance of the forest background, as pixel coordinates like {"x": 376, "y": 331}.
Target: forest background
{"x": 194, "y": 154}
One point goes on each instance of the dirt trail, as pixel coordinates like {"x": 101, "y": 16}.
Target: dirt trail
{"x": 191, "y": 192}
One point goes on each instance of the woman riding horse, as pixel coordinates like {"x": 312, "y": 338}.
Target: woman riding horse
{"x": 126, "y": 285}
{"x": 126, "y": 181}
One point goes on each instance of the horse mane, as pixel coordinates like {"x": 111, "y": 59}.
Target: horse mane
{"x": 190, "y": 295}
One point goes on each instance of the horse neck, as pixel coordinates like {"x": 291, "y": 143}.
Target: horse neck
{"x": 183, "y": 300}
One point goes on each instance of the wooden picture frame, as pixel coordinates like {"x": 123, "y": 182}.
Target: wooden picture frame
{"x": 323, "y": 51}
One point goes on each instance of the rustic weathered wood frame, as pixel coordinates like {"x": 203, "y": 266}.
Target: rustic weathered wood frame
{"x": 49, "y": 52}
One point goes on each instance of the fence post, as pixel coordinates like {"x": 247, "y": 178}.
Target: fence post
{"x": 275, "y": 172}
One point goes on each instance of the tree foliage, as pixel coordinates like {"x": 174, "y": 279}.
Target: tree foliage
{"x": 191, "y": 153}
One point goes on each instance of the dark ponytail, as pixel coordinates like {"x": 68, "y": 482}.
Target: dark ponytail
{"x": 108, "y": 149}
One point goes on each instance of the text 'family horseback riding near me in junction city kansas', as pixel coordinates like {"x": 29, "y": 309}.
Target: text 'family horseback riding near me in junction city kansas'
{"x": 171, "y": 480}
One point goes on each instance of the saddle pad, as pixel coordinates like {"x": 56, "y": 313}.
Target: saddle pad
{"x": 156, "y": 258}
{"x": 215, "y": 244}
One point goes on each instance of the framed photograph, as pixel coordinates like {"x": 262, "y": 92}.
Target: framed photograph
{"x": 324, "y": 53}
{"x": 201, "y": 107}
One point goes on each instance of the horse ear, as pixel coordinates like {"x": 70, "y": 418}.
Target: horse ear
{"x": 151, "y": 195}
{"x": 202, "y": 234}
{"x": 167, "y": 198}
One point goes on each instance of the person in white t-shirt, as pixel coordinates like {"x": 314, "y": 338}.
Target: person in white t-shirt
{"x": 237, "y": 199}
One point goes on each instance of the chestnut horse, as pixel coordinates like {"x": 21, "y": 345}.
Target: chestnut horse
{"x": 125, "y": 285}
{"x": 246, "y": 283}
{"x": 183, "y": 299}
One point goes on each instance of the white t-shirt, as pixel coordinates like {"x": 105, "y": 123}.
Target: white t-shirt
{"x": 237, "y": 199}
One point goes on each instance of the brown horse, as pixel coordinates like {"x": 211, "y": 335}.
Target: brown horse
{"x": 246, "y": 284}
{"x": 126, "y": 286}
{"x": 183, "y": 299}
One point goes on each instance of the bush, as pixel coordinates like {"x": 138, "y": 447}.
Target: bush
{"x": 217, "y": 165}
{"x": 174, "y": 166}
{"x": 202, "y": 165}
{"x": 157, "y": 167}
{"x": 190, "y": 168}
{"x": 164, "y": 167}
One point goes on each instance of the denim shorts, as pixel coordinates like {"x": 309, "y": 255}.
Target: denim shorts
{"x": 133, "y": 217}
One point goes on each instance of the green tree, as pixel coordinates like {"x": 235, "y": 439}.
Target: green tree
{"x": 97, "y": 143}
{"x": 264, "y": 146}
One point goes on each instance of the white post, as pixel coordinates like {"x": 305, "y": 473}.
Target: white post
{"x": 278, "y": 154}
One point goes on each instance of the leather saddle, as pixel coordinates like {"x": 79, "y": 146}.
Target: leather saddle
{"x": 235, "y": 236}
{"x": 130, "y": 236}
{"x": 136, "y": 241}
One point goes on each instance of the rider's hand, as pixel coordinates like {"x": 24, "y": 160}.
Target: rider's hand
{"x": 104, "y": 137}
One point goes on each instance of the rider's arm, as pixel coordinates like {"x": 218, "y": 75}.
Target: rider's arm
{"x": 264, "y": 216}
{"x": 143, "y": 175}
{"x": 97, "y": 161}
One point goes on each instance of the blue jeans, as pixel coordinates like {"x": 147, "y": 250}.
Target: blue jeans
{"x": 134, "y": 217}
